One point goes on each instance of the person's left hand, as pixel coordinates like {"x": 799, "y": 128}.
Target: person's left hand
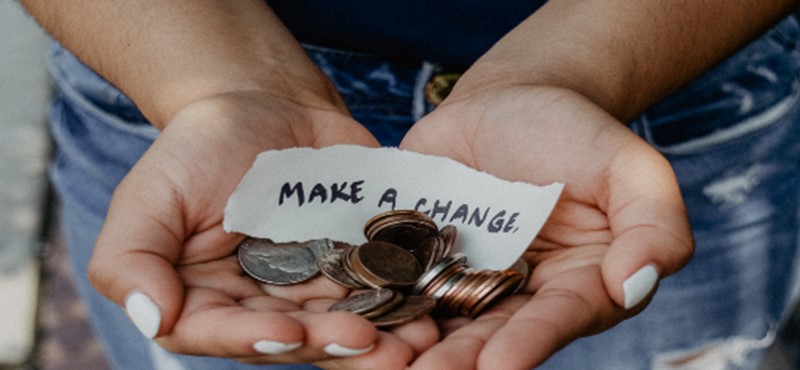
{"x": 164, "y": 256}
{"x": 619, "y": 226}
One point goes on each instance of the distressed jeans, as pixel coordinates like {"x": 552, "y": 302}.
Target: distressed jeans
{"x": 732, "y": 136}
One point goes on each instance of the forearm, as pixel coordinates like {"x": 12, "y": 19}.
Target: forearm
{"x": 167, "y": 54}
{"x": 623, "y": 55}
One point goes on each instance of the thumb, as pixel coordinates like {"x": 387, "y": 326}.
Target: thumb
{"x": 343, "y": 131}
{"x": 652, "y": 236}
{"x": 133, "y": 261}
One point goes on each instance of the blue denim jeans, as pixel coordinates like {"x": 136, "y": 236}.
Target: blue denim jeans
{"x": 732, "y": 137}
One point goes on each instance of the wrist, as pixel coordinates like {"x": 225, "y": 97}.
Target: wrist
{"x": 604, "y": 81}
{"x": 296, "y": 81}
{"x": 622, "y": 56}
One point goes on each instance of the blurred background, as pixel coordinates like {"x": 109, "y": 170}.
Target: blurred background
{"x": 42, "y": 323}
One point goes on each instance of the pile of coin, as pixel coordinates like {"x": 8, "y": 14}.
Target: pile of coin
{"x": 461, "y": 290}
{"x": 406, "y": 264}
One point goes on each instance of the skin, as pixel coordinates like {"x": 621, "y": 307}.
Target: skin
{"x": 225, "y": 81}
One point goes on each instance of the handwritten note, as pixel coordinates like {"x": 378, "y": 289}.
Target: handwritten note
{"x": 303, "y": 194}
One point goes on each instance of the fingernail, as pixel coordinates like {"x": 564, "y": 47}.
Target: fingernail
{"x": 275, "y": 348}
{"x": 639, "y": 285}
{"x": 144, "y": 313}
{"x": 334, "y": 349}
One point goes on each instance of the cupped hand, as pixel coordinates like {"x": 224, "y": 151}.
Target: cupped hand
{"x": 164, "y": 256}
{"x": 619, "y": 226}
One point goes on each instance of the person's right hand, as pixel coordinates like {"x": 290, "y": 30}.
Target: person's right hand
{"x": 619, "y": 226}
{"x": 164, "y": 255}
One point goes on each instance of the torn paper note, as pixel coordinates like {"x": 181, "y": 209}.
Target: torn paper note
{"x": 302, "y": 194}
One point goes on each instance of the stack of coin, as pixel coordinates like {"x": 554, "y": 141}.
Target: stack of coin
{"x": 406, "y": 263}
{"x": 460, "y": 290}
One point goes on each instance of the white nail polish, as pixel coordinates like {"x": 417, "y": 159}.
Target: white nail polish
{"x": 275, "y": 348}
{"x": 334, "y": 349}
{"x": 639, "y": 285}
{"x": 144, "y": 313}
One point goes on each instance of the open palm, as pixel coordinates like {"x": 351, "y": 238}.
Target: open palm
{"x": 621, "y": 212}
{"x": 163, "y": 238}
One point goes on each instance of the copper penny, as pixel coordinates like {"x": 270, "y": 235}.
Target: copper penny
{"x": 386, "y": 265}
{"x": 347, "y": 266}
{"x": 430, "y": 252}
{"x": 406, "y": 228}
{"x": 430, "y": 275}
{"x": 448, "y": 234}
{"x": 331, "y": 265}
{"x": 500, "y": 291}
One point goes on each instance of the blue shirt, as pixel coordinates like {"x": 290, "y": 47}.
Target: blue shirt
{"x": 454, "y": 33}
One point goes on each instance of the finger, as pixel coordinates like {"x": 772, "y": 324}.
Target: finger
{"x": 419, "y": 334}
{"x": 563, "y": 310}
{"x": 331, "y": 133}
{"x": 319, "y": 287}
{"x": 214, "y": 325}
{"x": 338, "y": 334}
{"x": 389, "y": 353}
{"x": 652, "y": 237}
{"x": 461, "y": 348}
{"x": 135, "y": 268}
{"x": 223, "y": 275}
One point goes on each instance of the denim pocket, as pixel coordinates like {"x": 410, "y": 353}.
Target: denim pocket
{"x": 744, "y": 93}
{"x": 87, "y": 91}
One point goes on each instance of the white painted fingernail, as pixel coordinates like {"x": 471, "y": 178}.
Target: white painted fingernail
{"x": 334, "y": 349}
{"x": 144, "y": 313}
{"x": 275, "y": 348}
{"x": 639, "y": 285}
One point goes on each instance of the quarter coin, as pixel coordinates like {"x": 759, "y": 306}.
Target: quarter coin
{"x": 277, "y": 263}
{"x": 319, "y": 246}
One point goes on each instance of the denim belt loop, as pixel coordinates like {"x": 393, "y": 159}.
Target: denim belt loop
{"x": 421, "y": 106}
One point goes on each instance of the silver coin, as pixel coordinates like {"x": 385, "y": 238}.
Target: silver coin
{"x": 448, "y": 284}
{"x": 364, "y": 303}
{"x": 412, "y": 308}
{"x": 430, "y": 275}
{"x": 277, "y": 263}
{"x": 330, "y": 264}
{"x": 319, "y": 246}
